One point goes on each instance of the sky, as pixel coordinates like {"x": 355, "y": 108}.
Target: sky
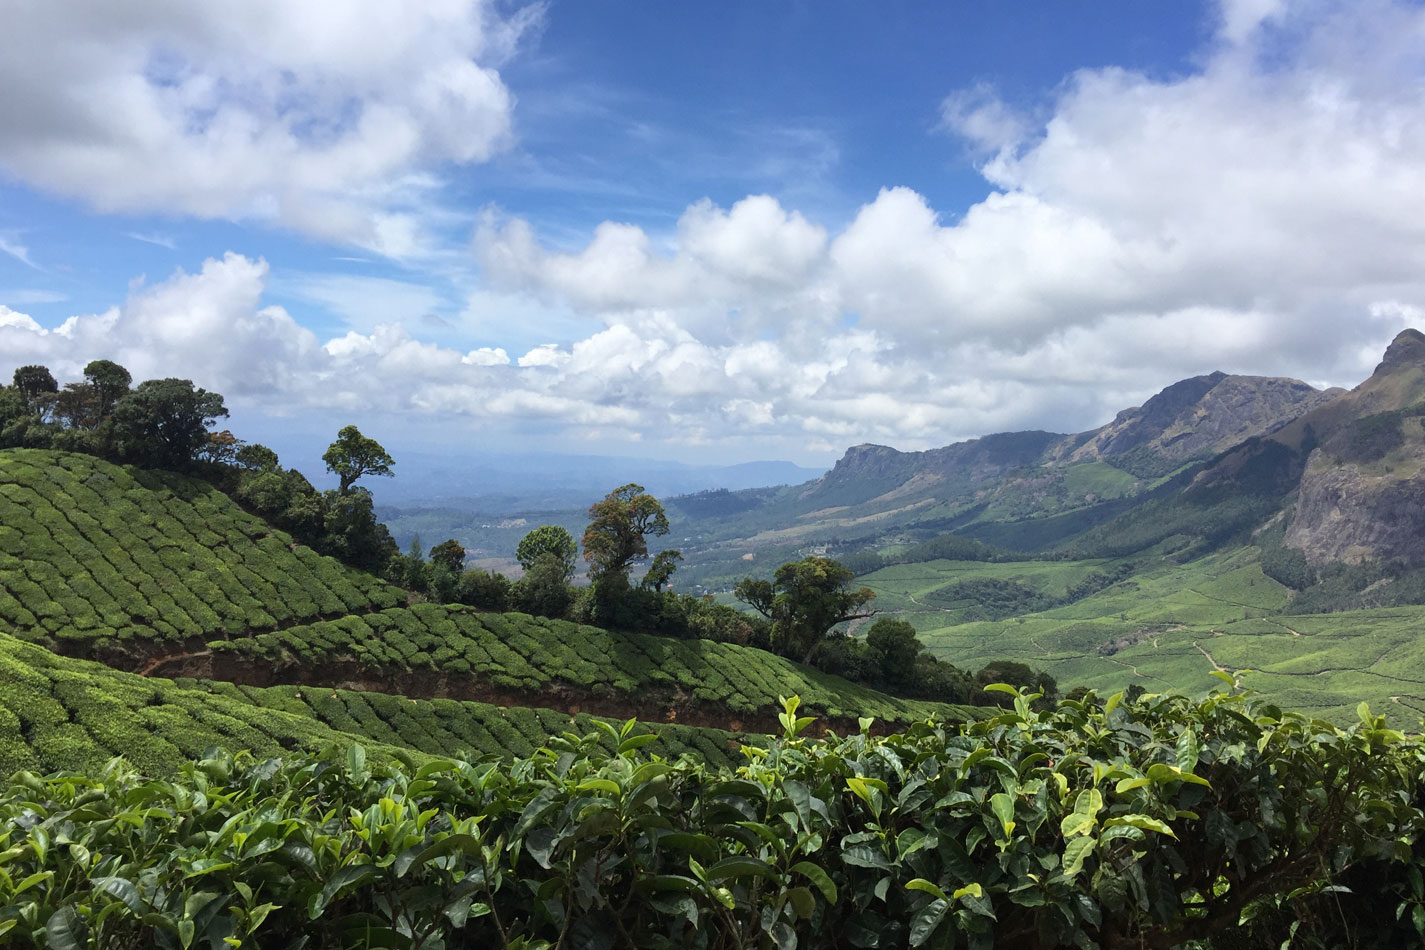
{"x": 707, "y": 232}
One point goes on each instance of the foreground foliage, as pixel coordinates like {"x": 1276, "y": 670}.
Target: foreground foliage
{"x": 1143, "y": 824}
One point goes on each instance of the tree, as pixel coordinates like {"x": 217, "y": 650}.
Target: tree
{"x": 449, "y": 554}
{"x": 618, "y": 529}
{"x": 548, "y": 539}
{"x": 34, "y": 383}
{"x": 351, "y": 532}
{"x": 108, "y": 382}
{"x": 164, "y": 423}
{"x": 893, "y": 646}
{"x": 221, "y": 448}
{"x": 353, "y": 455}
{"x": 544, "y": 589}
{"x": 256, "y": 457}
{"x": 661, "y": 570}
{"x": 804, "y": 600}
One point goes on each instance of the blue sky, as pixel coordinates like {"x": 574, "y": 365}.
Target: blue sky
{"x": 707, "y": 232}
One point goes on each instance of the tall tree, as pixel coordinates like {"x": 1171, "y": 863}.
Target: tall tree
{"x": 34, "y": 383}
{"x": 660, "y": 572}
{"x": 618, "y": 529}
{"x": 450, "y": 555}
{"x": 109, "y": 383}
{"x": 164, "y": 423}
{"x": 550, "y": 539}
{"x": 804, "y": 600}
{"x": 353, "y": 455}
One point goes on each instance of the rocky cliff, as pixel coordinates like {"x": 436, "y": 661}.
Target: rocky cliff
{"x": 1362, "y": 494}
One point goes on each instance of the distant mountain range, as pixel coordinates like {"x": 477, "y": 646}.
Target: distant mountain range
{"x": 1343, "y": 473}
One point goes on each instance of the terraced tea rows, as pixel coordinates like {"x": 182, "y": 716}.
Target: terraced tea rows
{"x": 96, "y": 551}
{"x": 536, "y": 655}
{"x": 60, "y": 713}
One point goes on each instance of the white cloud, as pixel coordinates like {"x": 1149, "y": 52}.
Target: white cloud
{"x": 1257, "y": 215}
{"x": 317, "y": 116}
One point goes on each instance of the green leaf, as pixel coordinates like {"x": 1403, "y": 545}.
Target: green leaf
{"x": 1003, "y": 807}
{"x": 1128, "y": 784}
{"x": 1187, "y": 751}
{"x": 802, "y": 901}
{"x": 121, "y": 890}
{"x": 1112, "y": 703}
{"x": 921, "y": 884}
{"x": 739, "y": 867}
{"x": 600, "y": 784}
{"x": 31, "y": 881}
{"x": 636, "y": 742}
{"x": 1075, "y": 851}
{"x": 1001, "y": 688}
{"x": 66, "y": 931}
{"x": 927, "y": 921}
{"x": 355, "y": 758}
{"x": 969, "y": 890}
{"x": 818, "y": 877}
{"x": 1140, "y": 821}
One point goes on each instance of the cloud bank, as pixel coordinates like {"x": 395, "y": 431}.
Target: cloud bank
{"x": 1259, "y": 214}
{"x": 325, "y": 116}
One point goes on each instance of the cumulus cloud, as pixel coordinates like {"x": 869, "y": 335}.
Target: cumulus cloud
{"x": 321, "y": 116}
{"x": 1259, "y": 214}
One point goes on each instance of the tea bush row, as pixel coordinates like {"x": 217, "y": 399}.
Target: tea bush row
{"x": 95, "y": 551}
{"x": 60, "y": 713}
{"x": 535, "y": 654}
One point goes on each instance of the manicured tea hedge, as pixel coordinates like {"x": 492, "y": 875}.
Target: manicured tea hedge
{"x": 95, "y": 551}
{"x": 61, "y": 713}
{"x": 534, "y": 654}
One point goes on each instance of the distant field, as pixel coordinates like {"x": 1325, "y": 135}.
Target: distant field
{"x": 1168, "y": 626}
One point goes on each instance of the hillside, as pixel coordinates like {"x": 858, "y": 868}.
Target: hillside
{"x": 1027, "y": 490}
{"x": 160, "y": 575}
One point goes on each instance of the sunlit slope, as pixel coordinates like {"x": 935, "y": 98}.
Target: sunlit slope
{"x": 163, "y": 575}
{"x": 62, "y": 713}
{"x": 535, "y": 656}
{"x": 93, "y": 550}
{"x": 1168, "y": 626}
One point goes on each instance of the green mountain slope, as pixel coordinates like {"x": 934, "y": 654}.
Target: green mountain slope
{"x": 94, "y": 550}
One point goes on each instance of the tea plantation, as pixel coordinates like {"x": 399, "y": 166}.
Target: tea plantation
{"x": 142, "y": 568}
{"x": 92, "y": 550}
{"x": 62, "y": 713}
{"x": 536, "y": 654}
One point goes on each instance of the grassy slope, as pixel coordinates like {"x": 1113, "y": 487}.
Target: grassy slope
{"x": 1167, "y": 626}
{"x": 57, "y": 712}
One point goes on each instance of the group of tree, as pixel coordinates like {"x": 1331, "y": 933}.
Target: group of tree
{"x": 168, "y": 424}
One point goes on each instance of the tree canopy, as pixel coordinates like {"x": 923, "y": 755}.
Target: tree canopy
{"x": 164, "y": 423}
{"x": 804, "y": 600}
{"x": 619, "y": 527}
{"x": 549, "y": 539}
{"x": 353, "y": 455}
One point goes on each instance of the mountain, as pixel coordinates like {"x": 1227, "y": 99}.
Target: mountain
{"x": 1362, "y": 492}
{"x": 1006, "y": 488}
